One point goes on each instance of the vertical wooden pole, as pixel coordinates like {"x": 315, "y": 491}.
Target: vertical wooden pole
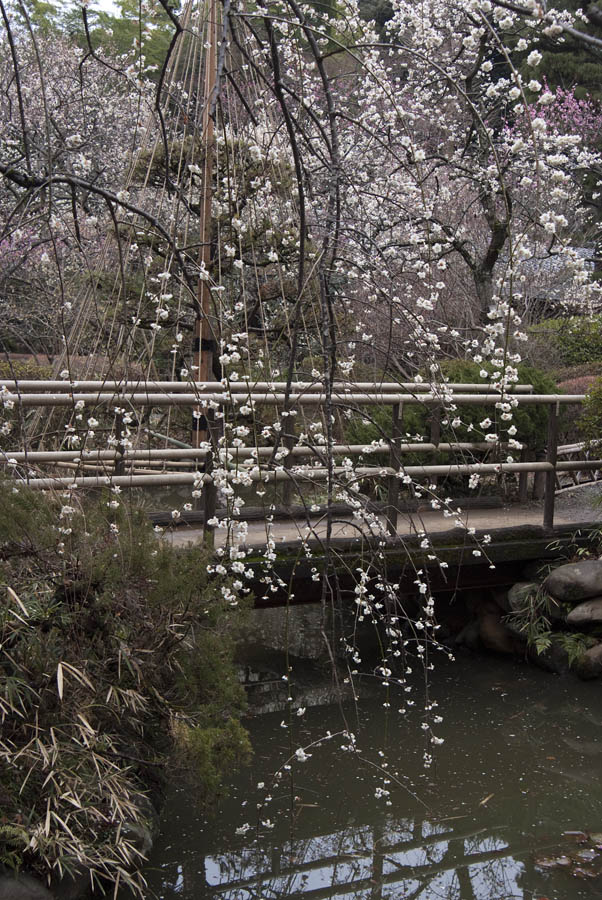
{"x": 395, "y": 463}
{"x": 204, "y": 336}
{"x": 119, "y": 448}
{"x": 551, "y": 454}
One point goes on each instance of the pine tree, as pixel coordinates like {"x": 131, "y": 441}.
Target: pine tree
{"x": 569, "y": 63}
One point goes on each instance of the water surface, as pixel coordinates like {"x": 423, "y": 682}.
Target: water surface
{"x": 519, "y": 767}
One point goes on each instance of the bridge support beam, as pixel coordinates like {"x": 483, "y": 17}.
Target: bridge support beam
{"x": 551, "y": 455}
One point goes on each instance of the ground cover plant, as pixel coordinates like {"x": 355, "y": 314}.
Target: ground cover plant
{"x": 116, "y": 655}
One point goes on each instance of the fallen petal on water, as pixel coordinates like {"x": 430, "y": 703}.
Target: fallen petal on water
{"x": 584, "y": 873}
{"x": 552, "y": 862}
{"x": 587, "y": 854}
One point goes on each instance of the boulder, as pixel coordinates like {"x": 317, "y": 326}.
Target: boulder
{"x": 73, "y": 887}
{"x": 588, "y": 611}
{"x": 494, "y": 634}
{"x": 575, "y": 581}
{"x": 589, "y": 664}
{"x": 140, "y": 836}
{"x": 501, "y": 598}
{"x": 519, "y": 593}
{"x": 553, "y": 659}
{"x": 22, "y": 887}
{"x": 514, "y": 627}
{"x": 518, "y": 600}
{"x": 492, "y": 631}
{"x": 469, "y": 636}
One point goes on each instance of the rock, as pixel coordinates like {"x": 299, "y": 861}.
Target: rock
{"x": 492, "y": 631}
{"x": 589, "y": 611}
{"x": 554, "y": 659}
{"x": 494, "y": 635}
{"x": 575, "y": 581}
{"x": 22, "y": 887}
{"x": 501, "y": 598}
{"x": 140, "y": 836}
{"x": 514, "y": 627}
{"x": 73, "y": 887}
{"x": 469, "y": 636}
{"x": 589, "y": 664}
{"x": 519, "y": 594}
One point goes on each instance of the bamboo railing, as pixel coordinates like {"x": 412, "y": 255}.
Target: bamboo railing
{"x": 127, "y": 467}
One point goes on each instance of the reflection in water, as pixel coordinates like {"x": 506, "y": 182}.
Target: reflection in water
{"x": 408, "y": 860}
{"x": 519, "y": 766}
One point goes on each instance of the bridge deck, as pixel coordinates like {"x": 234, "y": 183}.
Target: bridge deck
{"x": 571, "y": 509}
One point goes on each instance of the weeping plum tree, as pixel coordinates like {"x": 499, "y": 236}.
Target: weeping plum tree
{"x": 304, "y": 197}
{"x": 335, "y": 147}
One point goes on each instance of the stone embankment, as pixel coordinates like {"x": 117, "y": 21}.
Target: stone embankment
{"x": 554, "y": 620}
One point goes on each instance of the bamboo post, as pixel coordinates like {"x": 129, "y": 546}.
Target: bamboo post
{"x": 551, "y": 457}
{"x": 21, "y": 385}
{"x": 223, "y": 397}
{"x": 394, "y": 462}
{"x": 523, "y": 478}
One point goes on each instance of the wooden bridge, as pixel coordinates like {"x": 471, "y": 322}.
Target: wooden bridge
{"x": 413, "y": 517}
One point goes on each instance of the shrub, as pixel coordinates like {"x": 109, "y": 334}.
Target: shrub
{"x": 568, "y": 342}
{"x": 583, "y": 370}
{"x": 117, "y": 649}
{"x": 531, "y": 421}
{"x": 23, "y": 368}
{"x": 589, "y": 424}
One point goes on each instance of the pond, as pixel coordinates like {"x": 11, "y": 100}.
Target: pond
{"x": 510, "y": 808}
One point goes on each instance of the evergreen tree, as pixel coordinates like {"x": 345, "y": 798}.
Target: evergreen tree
{"x": 570, "y": 63}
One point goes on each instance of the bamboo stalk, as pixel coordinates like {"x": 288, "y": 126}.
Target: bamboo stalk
{"x": 32, "y": 385}
{"x": 9, "y": 457}
{"x": 167, "y": 399}
{"x": 309, "y": 474}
